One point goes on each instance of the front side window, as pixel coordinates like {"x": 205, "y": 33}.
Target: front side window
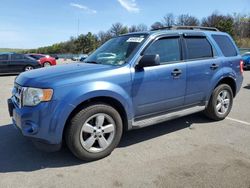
{"x": 198, "y": 48}
{"x": 117, "y": 50}
{"x": 167, "y": 48}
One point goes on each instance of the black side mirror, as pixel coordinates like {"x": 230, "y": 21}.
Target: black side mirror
{"x": 148, "y": 61}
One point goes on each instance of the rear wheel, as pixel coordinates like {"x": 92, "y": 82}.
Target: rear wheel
{"x": 94, "y": 132}
{"x": 47, "y": 64}
{"x": 28, "y": 68}
{"x": 220, "y": 103}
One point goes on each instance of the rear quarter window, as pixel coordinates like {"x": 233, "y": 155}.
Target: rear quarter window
{"x": 226, "y": 45}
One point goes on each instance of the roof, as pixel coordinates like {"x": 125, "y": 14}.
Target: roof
{"x": 179, "y": 30}
{"x": 7, "y": 53}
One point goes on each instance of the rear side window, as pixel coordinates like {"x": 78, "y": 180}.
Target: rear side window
{"x": 17, "y": 57}
{"x": 198, "y": 48}
{"x": 167, "y": 48}
{"x": 227, "y": 47}
{"x": 3, "y": 57}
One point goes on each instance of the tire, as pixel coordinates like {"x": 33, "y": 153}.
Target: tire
{"x": 220, "y": 103}
{"x": 28, "y": 68}
{"x": 88, "y": 142}
{"x": 47, "y": 64}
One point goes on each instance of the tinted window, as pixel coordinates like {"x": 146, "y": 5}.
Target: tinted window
{"x": 226, "y": 45}
{"x": 33, "y": 56}
{"x": 38, "y": 56}
{"x": 198, "y": 48}
{"x": 167, "y": 48}
{"x": 3, "y": 57}
{"x": 17, "y": 56}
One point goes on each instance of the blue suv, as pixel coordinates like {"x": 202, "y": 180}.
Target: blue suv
{"x": 131, "y": 81}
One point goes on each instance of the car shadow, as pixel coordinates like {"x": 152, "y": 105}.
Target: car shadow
{"x": 147, "y": 133}
{"x": 19, "y": 154}
{"x": 9, "y": 74}
{"x": 247, "y": 86}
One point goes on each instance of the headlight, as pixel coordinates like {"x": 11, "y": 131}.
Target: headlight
{"x": 34, "y": 96}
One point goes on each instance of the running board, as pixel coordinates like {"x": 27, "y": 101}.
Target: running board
{"x": 165, "y": 117}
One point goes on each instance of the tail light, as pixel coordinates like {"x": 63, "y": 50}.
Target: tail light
{"x": 241, "y": 66}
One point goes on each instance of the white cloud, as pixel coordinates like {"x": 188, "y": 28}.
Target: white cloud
{"x": 84, "y": 8}
{"x": 129, "y": 5}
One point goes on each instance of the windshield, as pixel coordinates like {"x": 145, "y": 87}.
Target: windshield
{"x": 116, "y": 50}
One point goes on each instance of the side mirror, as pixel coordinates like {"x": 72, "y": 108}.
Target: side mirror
{"x": 148, "y": 61}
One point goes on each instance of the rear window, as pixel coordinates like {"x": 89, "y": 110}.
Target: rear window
{"x": 198, "y": 48}
{"x": 227, "y": 47}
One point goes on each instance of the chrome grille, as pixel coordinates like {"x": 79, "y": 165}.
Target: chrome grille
{"x": 17, "y": 94}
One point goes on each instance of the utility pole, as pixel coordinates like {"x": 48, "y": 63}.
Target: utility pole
{"x": 78, "y": 25}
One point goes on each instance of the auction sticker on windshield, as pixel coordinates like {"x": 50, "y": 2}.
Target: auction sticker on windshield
{"x": 135, "y": 39}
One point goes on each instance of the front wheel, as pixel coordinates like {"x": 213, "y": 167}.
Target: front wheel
{"x": 220, "y": 103}
{"x": 94, "y": 132}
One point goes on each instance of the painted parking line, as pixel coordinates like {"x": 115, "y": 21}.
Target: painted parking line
{"x": 237, "y": 120}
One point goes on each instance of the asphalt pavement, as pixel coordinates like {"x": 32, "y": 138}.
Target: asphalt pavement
{"x": 192, "y": 151}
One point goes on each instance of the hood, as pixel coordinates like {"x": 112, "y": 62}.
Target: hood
{"x": 60, "y": 74}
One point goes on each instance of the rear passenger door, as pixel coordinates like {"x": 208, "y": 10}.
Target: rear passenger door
{"x": 4, "y": 60}
{"x": 17, "y": 63}
{"x": 201, "y": 66}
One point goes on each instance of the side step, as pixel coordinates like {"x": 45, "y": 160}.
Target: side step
{"x": 165, "y": 117}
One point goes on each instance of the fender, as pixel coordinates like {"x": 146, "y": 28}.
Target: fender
{"x": 83, "y": 93}
{"x": 225, "y": 72}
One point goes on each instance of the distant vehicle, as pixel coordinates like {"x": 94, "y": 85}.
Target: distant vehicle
{"x": 79, "y": 57}
{"x": 55, "y": 56}
{"x": 246, "y": 60}
{"x": 16, "y": 63}
{"x": 45, "y": 60}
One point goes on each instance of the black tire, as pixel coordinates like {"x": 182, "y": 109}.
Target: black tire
{"x": 28, "y": 68}
{"x": 211, "y": 111}
{"x": 73, "y": 131}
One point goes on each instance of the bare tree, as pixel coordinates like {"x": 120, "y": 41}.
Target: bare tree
{"x": 138, "y": 28}
{"x": 168, "y": 20}
{"x": 118, "y": 29}
{"x": 222, "y": 22}
{"x": 186, "y": 19}
{"x": 104, "y": 36}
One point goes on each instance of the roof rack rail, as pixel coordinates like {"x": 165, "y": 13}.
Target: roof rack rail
{"x": 175, "y": 27}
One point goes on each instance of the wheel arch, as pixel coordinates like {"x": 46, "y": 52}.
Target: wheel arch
{"x": 116, "y": 104}
{"x": 229, "y": 81}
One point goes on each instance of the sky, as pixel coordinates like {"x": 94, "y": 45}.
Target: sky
{"x": 35, "y": 23}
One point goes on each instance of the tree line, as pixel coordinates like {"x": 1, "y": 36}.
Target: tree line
{"x": 237, "y": 25}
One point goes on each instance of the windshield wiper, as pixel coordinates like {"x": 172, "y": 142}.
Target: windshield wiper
{"x": 92, "y": 62}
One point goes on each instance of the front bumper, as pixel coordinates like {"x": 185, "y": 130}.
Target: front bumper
{"x": 34, "y": 123}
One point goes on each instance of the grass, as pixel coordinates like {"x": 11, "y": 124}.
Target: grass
{"x": 10, "y": 50}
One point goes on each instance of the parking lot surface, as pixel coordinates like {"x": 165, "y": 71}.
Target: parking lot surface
{"x": 188, "y": 152}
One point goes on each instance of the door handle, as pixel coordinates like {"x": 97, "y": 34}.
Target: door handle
{"x": 176, "y": 72}
{"x": 214, "y": 66}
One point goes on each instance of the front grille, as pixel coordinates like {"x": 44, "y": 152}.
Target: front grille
{"x": 17, "y": 94}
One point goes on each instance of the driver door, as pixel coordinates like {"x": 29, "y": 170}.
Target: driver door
{"x": 161, "y": 88}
